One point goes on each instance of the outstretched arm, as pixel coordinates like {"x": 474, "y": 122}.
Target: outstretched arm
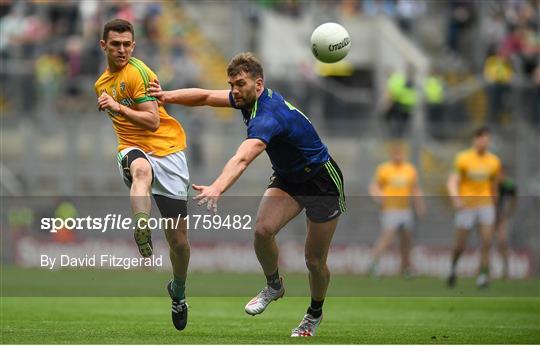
{"x": 246, "y": 153}
{"x": 190, "y": 96}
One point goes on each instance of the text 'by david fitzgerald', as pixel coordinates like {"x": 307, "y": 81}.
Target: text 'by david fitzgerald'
{"x": 99, "y": 261}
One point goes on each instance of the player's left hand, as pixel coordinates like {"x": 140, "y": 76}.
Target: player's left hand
{"x": 105, "y": 101}
{"x": 208, "y": 195}
{"x": 420, "y": 210}
{"x": 155, "y": 90}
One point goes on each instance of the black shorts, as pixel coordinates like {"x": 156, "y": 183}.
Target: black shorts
{"x": 170, "y": 207}
{"x": 323, "y": 195}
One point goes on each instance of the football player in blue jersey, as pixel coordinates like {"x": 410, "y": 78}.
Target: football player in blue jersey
{"x": 304, "y": 177}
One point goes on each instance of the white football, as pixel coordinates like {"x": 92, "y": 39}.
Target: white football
{"x": 330, "y": 42}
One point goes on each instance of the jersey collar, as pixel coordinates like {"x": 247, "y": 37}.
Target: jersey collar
{"x": 248, "y": 113}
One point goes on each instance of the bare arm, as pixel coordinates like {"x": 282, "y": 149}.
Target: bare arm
{"x": 145, "y": 115}
{"x": 419, "y": 204}
{"x": 452, "y": 187}
{"x": 246, "y": 153}
{"x": 190, "y": 96}
{"x": 375, "y": 191}
{"x": 495, "y": 180}
{"x": 418, "y": 196}
{"x": 198, "y": 97}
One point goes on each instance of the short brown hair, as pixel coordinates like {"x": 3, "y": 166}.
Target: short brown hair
{"x": 118, "y": 25}
{"x": 482, "y": 131}
{"x": 245, "y": 62}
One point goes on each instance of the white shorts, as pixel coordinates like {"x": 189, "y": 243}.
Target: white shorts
{"x": 170, "y": 173}
{"x": 394, "y": 220}
{"x": 470, "y": 217}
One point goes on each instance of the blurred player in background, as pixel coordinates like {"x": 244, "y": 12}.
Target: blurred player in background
{"x": 398, "y": 102}
{"x": 472, "y": 187}
{"x": 150, "y": 152}
{"x": 392, "y": 187}
{"x": 506, "y": 206}
{"x": 305, "y": 176}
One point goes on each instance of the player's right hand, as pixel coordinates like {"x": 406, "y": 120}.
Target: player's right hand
{"x": 458, "y": 203}
{"x": 105, "y": 101}
{"x": 154, "y": 89}
{"x": 208, "y": 195}
{"x": 420, "y": 210}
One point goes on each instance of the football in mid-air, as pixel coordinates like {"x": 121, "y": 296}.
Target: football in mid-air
{"x": 330, "y": 42}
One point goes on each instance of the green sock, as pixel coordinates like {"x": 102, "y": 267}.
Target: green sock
{"x": 179, "y": 288}
{"x": 144, "y": 219}
{"x": 374, "y": 268}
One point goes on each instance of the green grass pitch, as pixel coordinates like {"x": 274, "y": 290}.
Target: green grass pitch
{"x": 60, "y": 311}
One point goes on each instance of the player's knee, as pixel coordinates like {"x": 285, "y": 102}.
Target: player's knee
{"x": 315, "y": 264}
{"x": 263, "y": 231}
{"x": 142, "y": 173}
{"x": 459, "y": 248}
{"x": 179, "y": 247}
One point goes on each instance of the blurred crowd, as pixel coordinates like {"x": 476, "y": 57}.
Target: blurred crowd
{"x": 51, "y": 48}
{"x": 501, "y": 36}
{"x": 512, "y": 35}
{"x": 511, "y": 26}
{"x": 513, "y": 23}
{"x": 512, "y": 30}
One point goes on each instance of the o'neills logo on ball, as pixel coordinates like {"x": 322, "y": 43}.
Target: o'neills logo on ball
{"x": 314, "y": 50}
{"x": 346, "y": 41}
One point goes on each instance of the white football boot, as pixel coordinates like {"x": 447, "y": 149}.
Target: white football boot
{"x": 307, "y": 327}
{"x": 482, "y": 281}
{"x": 259, "y": 303}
